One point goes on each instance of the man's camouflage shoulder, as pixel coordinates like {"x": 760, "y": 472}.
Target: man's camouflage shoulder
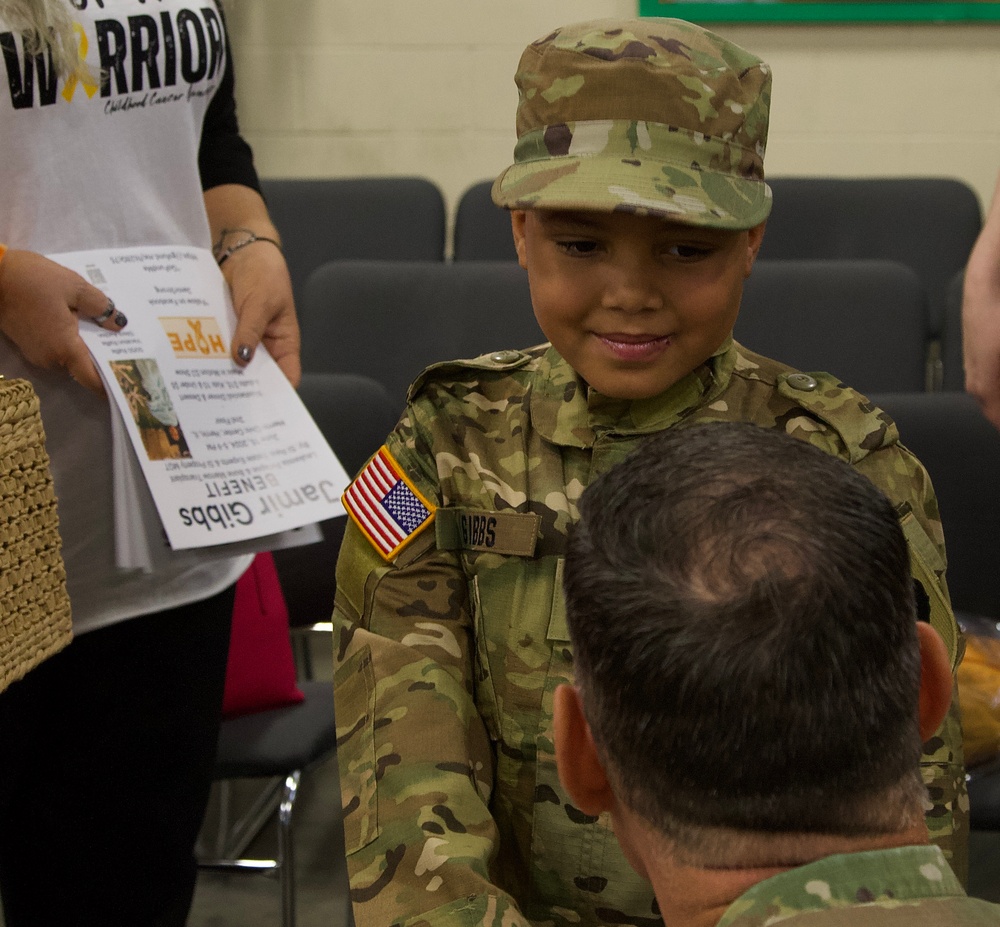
{"x": 861, "y": 426}
{"x": 494, "y": 365}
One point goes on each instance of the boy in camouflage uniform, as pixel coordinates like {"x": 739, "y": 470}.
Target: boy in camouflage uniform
{"x": 638, "y": 204}
{"x": 747, "y": 773}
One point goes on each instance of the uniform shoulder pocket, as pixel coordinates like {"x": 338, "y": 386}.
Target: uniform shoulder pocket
{"x": 861, "y": 426}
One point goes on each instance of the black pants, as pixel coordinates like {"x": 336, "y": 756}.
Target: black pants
{"x": 106, "y": 756}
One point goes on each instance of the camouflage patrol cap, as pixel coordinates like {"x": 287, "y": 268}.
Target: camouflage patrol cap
{"x": 651, "y": 116}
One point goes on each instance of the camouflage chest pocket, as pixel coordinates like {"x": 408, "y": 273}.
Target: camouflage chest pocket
{"x": 355, "y": 686}
{"x": 512, "y": 602}
{"x": 497, "y": 551}
{"x": 576, "y": 860}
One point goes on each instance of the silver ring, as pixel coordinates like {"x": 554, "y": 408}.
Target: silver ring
{"x": 104, "y": 316}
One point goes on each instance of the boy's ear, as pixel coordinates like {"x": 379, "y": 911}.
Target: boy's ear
{"x": 518, "y": 218}
{"x": 755, "y": 238}
{"x": 935, "y": 680}
{"x": 580, "y": 769}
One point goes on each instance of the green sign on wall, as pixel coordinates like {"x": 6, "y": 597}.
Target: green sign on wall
{"x": 807, "y": 11}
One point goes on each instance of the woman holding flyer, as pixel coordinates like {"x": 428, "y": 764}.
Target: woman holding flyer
{"x": 118, "y": 129}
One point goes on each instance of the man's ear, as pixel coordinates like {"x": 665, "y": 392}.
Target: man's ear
{"x": 935, "y": 680}
{"x": 580, "y": 769}
{"x": 755, "y": 238}
{"x": 518, "y": 219}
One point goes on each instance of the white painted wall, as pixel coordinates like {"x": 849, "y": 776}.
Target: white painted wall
{"x": 362, "y": 87}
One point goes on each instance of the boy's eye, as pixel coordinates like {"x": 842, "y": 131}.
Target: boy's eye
{"x": 688, "y": 252}
{"x": 577, "y": 247}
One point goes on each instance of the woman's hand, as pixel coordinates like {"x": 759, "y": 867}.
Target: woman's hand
{"x": 40, "y": 302}
{"x": 257, "y": 276}
{"x": 265, "y": 309}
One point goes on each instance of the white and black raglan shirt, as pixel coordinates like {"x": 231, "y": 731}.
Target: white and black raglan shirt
{"x": 115, "y": 162}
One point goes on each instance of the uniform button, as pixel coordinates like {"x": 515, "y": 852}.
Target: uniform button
{"x": 505, "y": 357}
{"x": 802, "y": 381}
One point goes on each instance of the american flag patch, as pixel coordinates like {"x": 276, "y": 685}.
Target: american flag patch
{"x": 386, "y": 506}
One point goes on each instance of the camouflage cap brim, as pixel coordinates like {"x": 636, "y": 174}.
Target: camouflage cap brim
{"x": 626, "y": 166}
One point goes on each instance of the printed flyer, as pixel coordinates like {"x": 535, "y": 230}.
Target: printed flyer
{"x": 229, "y": 455}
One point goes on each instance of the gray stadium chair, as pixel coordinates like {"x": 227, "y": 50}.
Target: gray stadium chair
{"x": 926, "y": 223}
{"x": 386, "y": 218}
{"x": 953, "y": 368}
{"x": 863, "y": 321}
{"x": 482, "y": 230}
{"x": 390, "y": 319}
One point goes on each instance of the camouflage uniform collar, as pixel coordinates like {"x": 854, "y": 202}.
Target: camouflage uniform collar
{"x": 879, "y": 877}
{"x": 567, "y": 412}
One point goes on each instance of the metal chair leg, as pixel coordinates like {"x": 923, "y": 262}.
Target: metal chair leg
{"x": 284, "y": 863}
{"x": 286, "y": 851}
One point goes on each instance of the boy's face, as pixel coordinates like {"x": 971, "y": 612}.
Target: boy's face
{"x": 633, "y": 303}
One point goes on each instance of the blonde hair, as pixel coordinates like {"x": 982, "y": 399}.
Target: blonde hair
{"x": 47, "y": 25}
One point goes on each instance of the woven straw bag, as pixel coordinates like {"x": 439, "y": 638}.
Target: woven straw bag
{"x": 34, "y": 607}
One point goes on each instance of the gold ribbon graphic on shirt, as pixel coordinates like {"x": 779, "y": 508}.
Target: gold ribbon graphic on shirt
{"x": 70, "y": 89}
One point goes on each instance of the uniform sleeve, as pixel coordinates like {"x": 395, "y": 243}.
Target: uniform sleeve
{"x": 870, "y": 440}
{"x": 907, "y": 483}
{"x": 416, "y": 763}
{"x": 223, "y": 155}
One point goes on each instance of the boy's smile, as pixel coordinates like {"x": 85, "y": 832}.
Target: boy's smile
{"x": 633, "y": 303}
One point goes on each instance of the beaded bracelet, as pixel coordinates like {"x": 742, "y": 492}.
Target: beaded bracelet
{"x": 222, "y": 255}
